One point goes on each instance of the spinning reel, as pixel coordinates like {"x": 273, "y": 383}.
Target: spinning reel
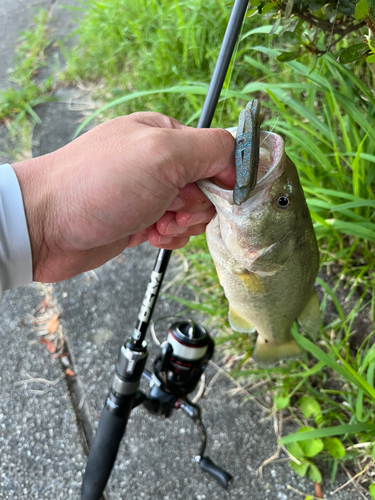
{"x": 177, "y": 372}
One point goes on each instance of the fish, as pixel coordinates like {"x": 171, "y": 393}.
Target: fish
{"x": 266, "y": 254}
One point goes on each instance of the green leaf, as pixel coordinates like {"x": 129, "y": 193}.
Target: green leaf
{"x": 352, "y": 53}
{"x": 314, "y": 474}
{"x": 361, "y": 10}
{"x": 337, "y": 430}
{"x": 346, "y": 7}
{"x": 276, "y": 26}
{"x": 288, "y": 56}
{"x": 372, "y": 48}
{"x": 295, "y": 450}
{"x": 288, "y": 8}
{"x": 250, "y": 12}
{"x": 309, "y": 406}
{"x": 260, "y": 29}
{"x": 371, "y": 490}
{"x": 371, "y": 59}
{"x": 300, "y": 469}
{"x": 281, "y": 402}
{"x": 269, "y": 6}
{"x": 288, "y": 37}
{"x": 334, "y": 447}
{"x": 311, "y": 447}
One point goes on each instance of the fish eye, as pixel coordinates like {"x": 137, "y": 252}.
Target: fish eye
{"x": 283, "y": 201}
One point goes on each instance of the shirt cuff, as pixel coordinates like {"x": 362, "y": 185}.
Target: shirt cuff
{"x": 16, "y": 267}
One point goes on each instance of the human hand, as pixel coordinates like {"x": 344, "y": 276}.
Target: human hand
{"x": 126, "y": 181}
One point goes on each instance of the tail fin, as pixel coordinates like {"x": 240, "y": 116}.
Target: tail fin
{"x": 268, "y": 353}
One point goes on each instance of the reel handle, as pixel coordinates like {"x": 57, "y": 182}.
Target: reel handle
{"x": 220, "y": 475}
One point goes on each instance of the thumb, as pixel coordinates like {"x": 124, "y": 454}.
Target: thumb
{"x": 204, "y": 153}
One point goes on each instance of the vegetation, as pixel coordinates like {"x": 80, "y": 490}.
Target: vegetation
{"x": 160, "y": 56}
{"x": 24, "y": 93}
{"x": 317, "y": 27}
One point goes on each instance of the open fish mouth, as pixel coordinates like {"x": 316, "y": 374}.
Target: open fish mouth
{"x": 270, "y": 167}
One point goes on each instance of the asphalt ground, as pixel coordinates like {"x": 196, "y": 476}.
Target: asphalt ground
{"x": 42, "y": 444}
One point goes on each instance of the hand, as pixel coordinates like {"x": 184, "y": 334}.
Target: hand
{"x": 126, "y": 181}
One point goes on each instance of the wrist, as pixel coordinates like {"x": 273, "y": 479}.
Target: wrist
{"x": 32, "y": 179}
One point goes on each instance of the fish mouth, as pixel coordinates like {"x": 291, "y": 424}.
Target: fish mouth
{"x": 270, "y": 167}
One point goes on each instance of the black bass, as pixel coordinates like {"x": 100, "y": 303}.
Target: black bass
{"x": 266, "y": 254}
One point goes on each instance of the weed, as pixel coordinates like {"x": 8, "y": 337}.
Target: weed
{"x": 18, "y": 101}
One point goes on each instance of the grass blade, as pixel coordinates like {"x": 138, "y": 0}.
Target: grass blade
{"x": 337, "y": 430}
{"x": 345, "y": 371}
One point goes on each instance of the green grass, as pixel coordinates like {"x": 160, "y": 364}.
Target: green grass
{"x": 159, "y": 56}
{"x": 137, "y": 46}
{"x": 17, "y": 103}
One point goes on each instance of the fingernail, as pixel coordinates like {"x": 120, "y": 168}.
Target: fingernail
{"x": 173, "y": 228}
{"x": 164, "y": 240}
{"x": 196, "y": 219}
{"x": 176, "y": 204}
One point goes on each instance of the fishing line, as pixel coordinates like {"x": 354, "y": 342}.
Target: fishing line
{"x": 231, "y": 70}
{"x": 161, "y": 318}
{"x": 329, "y": 43}
{"x": 333, "y": 25}
{"x": 272, "y": 128}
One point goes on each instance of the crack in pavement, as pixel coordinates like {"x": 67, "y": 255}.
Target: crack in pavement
{"x": 68, "y": 365}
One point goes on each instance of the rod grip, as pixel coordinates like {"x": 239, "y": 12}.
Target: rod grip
{"x": 220, "y": 475}
{"x": 102, "y": 454}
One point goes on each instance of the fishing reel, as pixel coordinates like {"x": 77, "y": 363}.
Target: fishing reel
{"x": 176, "y": 373}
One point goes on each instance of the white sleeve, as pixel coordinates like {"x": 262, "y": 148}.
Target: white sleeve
{"x": 15, "y": 252}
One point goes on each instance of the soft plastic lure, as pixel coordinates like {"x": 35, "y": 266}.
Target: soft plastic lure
{"x": 246, "y": 152}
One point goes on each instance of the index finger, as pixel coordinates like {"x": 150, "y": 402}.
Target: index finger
{"x": 204, "y": 153}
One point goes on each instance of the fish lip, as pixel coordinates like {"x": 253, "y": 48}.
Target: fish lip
{"x": 271, "y": 142}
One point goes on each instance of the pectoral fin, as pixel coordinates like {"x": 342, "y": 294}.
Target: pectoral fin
{"x": 238, "y": 323}
{"x": 267, "y": 353}
{"x": 273, "y": 258}
{"x": 252, "y": 282}
{"x": 310, "y": 317}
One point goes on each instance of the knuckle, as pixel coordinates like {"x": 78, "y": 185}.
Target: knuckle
{"x": 153, "y": 119}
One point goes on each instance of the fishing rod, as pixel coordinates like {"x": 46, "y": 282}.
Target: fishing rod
{"x": 189, "y": 346}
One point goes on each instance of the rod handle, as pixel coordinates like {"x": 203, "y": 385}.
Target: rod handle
{"x": 220, "y": 475}
{"x": 102, "y": 455}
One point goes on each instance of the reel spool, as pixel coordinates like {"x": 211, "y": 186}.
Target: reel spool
{"x": 184, "y": 357}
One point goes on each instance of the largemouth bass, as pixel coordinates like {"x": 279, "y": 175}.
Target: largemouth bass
{"x": 266, "y": 254}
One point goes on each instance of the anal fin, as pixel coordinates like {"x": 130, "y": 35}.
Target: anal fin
{"x": 238, "y": 323}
